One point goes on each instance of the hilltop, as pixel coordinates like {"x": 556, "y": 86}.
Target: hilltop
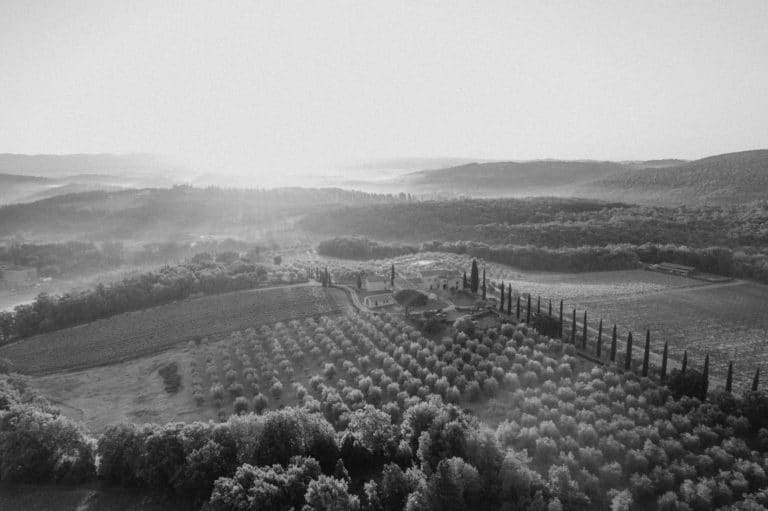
{"x": 733, "y": 178}
{"x": 514, "y": 178}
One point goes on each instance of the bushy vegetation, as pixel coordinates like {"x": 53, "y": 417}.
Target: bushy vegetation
{"x": 361, "y": 248}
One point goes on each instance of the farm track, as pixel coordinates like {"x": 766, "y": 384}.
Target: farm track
{"x": 141, "y": 333}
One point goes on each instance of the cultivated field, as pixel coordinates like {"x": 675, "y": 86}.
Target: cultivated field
{"x": 141, "y": 333}
{"x": 726, "y": 320}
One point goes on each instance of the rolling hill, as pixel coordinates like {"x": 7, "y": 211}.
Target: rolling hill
{"x": 511, "y": 178}
{"x": 733, "y": 178}
{"x": 28, "y": 178}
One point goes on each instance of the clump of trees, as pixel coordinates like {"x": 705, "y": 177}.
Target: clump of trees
{"x": 201, "y": 275}
{"x": 361, "y": 248}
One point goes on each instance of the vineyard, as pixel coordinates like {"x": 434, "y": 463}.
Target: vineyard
{"x": 137, "y": 334}
{"x": 605, "y": 435}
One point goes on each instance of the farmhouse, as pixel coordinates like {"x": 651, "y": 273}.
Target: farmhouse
{"x": 381, "y": 300}
{"x": 441, "y": 279}
{"x": 674, "y": 269}
{"x": 14, "y": 276}
{"x": 375, "y": 283}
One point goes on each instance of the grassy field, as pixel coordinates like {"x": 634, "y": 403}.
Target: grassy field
{"x": 728, "y": 321}
{"x": 146, "y": 332}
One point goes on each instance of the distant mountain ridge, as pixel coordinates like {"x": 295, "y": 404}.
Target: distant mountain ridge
{"x": 511, "y": 177}
{"x": 731, "y": 178}
{"x": 26, "y": 178}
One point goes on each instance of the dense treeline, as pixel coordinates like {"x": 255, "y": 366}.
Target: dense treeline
{"x": 549, "y": 222}
{"x": 546, "y": 259}
{"x": 568, "y": 232}
{"x": 361, "y": 248}
{"x": 201, "y": 275}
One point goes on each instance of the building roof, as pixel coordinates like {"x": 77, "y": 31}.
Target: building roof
{"x": 376, "y": 278}
{"x": 381, "y": 296}
{"x": 673, "y": 266}
{"x": 448, "y": 274}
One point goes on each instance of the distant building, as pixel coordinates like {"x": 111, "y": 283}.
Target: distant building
{"x": 381, "y": 300}
{"x": 674, "y": 269}
{"x": 441, "y": 279}
{"x": 375, "y": 283}
{"x": 16, "y": 276}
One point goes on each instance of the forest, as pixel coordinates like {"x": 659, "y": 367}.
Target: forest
{"x": 569, "y": 234}
{"x": 361, "y": 248}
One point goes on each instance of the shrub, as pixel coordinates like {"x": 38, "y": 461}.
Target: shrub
{"x": 241, "y": 405}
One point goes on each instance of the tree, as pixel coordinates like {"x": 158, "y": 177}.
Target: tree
{"x": 705, "y": 379}
{"x": 359, "y": 281}
{"x": 599, "y": 348}
{"x": 394, "y": 488}
{"x": 729, "y": 378}
{"x": 484, "y": 288}
{"x": 474, "y": 282}
{"x": 613, "y": 344}
{"x": 501, "y": 300}
{"x": 647, "y": 352}
{"x": 455, "y": 485}
{"x": 664, "y": 358}
{"x": 392, "y": 277}
{"x": 628, "y": 355}
{"x": 464, "y": 283}
{"x": 329, "y": 494}
{"x": 410, "y": 298}
{"x": 509, "y": 299}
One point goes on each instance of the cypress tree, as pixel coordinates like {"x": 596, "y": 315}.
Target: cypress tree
{"x": 584, "y": 332}
{"x": 474, "y": 277}
{"x": 628, "y": 356}
{"x": 464, "y": 283}
{"x": 600, "y": 338}
{"x": 684, "y": 365}
{"x": 501, "y": 301}
{"x": 392, "y": 277}
{"x": 573, "y": 328}
{"x": 518, "y": 307}
{"x": 664, "y": 362}
{"x": 509, "y": 300}
{"x": 528, "y": 311}
{"x": 549, "y": 311}
{"x": 561, "y": 319}
{"x": 729, "y": 378}
{"x": 483, "y": 283}
{"x": 328, "y": 276}
{"x": 756, "y": 380}
{"x": 705, "y": 378}
{"x": 359, "y": 282}
{"x": 613, "y": 344}
{"x": 538, "y": 305}
{"x": 647, "y": 354}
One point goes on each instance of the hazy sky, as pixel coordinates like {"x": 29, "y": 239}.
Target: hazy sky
{"x": 247, "y": 86}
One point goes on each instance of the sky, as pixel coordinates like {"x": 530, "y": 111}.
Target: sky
{"x": 260, "y": 87}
